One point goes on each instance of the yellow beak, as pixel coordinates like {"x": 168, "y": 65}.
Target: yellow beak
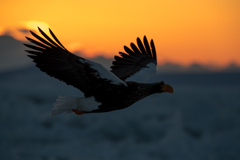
{"x": 167, "y": 88}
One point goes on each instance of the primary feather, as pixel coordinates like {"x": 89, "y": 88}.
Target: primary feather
{"x": 138, "y": 64}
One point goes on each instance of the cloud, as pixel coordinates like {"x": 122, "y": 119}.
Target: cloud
{"x": 35, "y": 24}
{"x": 24, "y": 30}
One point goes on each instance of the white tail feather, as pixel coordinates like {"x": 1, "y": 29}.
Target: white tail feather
{"x": 66, "y": 104}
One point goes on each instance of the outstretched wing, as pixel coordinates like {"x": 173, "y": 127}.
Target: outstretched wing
{"x": 54, "y": 59}
{"x": 138, "y": 64}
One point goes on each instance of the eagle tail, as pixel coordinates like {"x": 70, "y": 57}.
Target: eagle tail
{"x": 78, "y": 105}
{"x": 64, "y": 105}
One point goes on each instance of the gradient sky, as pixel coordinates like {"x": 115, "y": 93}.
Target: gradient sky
{"x": 184, "y": 31}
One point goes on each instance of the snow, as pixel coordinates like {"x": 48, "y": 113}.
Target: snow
{"x": 144, "y": 74}
{"x": 103, "y": 73}
{"x": 201, "y": 120}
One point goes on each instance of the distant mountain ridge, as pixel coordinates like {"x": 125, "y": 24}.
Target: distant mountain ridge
{"x": 13, "y": 57}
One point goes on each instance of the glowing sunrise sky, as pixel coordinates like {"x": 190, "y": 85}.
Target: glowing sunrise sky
{"x": 184, "y": 31}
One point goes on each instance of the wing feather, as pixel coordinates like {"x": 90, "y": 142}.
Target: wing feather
{"x": 132, "y": 53}
{"x": 138, "y": 63}
{"x": 49, "y": 39}
{"x": 136, "y": 50}
{"x": 56, "y": 39}
{"x": 53, "y": 58}
{"x": 141, "y": 47}
{"x": 153, "y": 50}
{"x": 147, "y": 46}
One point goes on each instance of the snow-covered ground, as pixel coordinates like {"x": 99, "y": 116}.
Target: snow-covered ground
{"x": 201, "y": 120}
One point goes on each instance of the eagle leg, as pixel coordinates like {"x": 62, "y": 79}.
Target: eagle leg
{"x": 78, "y": 112}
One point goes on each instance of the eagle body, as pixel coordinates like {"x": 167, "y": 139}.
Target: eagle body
{"x": 125, "y": 96}
{"x": 103, "y": 90}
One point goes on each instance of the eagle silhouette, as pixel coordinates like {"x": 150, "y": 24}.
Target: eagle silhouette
{"x": 103, "y": 90}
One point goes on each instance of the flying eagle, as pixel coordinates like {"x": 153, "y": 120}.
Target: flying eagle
{"x": 103, "y": 90}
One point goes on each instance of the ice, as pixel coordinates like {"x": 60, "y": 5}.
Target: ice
{"x": 201, "y": 120}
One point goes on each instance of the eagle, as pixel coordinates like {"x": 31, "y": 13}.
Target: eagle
{"x": 104, "y": 90}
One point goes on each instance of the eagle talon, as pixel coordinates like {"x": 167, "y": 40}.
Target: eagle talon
{"x": 78, "y": 112}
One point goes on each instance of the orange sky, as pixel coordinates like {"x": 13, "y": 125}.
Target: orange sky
{"x": 184, "y": 31}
